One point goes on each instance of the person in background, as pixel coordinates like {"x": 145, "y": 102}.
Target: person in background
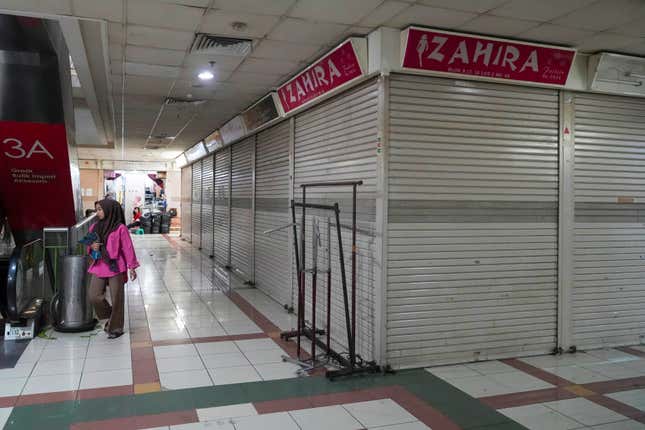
{"x": 117, "y": 258}
{"x": 136, "y": 214}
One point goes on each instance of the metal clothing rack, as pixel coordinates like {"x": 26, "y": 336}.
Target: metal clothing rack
{"x": 355, "y": 364}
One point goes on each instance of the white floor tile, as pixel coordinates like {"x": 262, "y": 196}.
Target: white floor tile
{"x": 19, "y": 371}
{"x": 12, "y": 386}
{"x": 576, "y": 374}
{"x": 186, "y": 379}
{"x": 222, "y": 412}
{"x": 110, "y": 378}
{"x": 265, "y": 356}
{"x": 256, "y": 344}
{"x": 212, "y": 425}
{"x": 324, "y": 418}
{"x": 277, "y": 371}
{"x": 539, "y": 417}
{"x": 100, "y": 350}
{"x": 417, "y": 425}
{"x": 491, "y": 367}
{"x": 58, "y": 367}
{"x": 458, "y": 371}
{"x": 612, "y": 355}
{"x": 614, "y": 370}
{"x": 622, "y": 425}
{"x": 206, "y": 332}
{"x": 479, "y": 386}
{"x": 379, "y": 413}
{"x": 216, "y": 347}
{"x": 177, "y": 364}
{"x": 520, "y": 381}
{"x": 234, "y": 375}
{"x": 170, "y": 351}
{"x": 107, "y": 363}
{"x": 225, "y": 360}
{"x": 169, "y": 335}
{"x": 634, "y": 398}
{"x": 52, "y": 383}
{"x": 585, "y": 411}
{"x": 4, "y": 416}
{"x": 277, "y": 421}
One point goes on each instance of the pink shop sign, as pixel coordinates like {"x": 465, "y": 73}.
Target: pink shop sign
{"x": 441, "y": 52}
{"x": 337, "y": 68}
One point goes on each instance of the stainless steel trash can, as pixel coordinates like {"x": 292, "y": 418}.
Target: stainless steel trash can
{"x": 70, "y": 308}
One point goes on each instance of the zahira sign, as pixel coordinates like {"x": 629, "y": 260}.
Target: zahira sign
{"x": 335, "y": 69}
{"x": 461, "y": 54}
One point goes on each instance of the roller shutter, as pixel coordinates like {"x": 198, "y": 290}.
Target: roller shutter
{"x": 272, "y": 265}
{"x": 336, "y": 141}
{"x": 186, "y": 201}
{"x": 222, "y": 197}
{"x": 472, "y": 221}
{"x": 609, "y": 294}
{"x": 196, "y": 228}
{"x": 207, "y": 205}
{"x": 241, "y": 195}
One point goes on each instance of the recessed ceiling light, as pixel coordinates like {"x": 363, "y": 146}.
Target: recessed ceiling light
{"x": 206, "y": 75}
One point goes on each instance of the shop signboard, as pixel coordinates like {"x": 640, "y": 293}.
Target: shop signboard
{"x": 35, "y": 166}
{"x": 338, "y": 68}
{"x": 233, "y": 130}
{"x": 456, "y": 54}
{"x": 262, "y": 112}
{"x": 214, "y": 141}
{"x": 195, "y": 152}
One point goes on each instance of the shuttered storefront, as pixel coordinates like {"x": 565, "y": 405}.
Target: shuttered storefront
{"x": 186, "y": 197}
{"x": 609, "y": 294}
{"x": 222, "y": 196}
{"x": 472, "y": 231}
{"x": 207, "y": 205}
{"x": 241, "y": 195}
{"x": 272, "y": 264}
{"x": 336, "y": 141}
{"x": 196, "y": 227}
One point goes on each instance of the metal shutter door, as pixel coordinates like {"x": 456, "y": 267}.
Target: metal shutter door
{"x": 337, "y": 141}
{"x": 222, "y": 189}
{"x": 186, "y": 201}
{"x": 196, "y": 228}
{"x": 472, "y": 221}
{"x": 609, "y": 294}
{"x": 207, "y": 205}
{"x": 241, "y": 195}
{"x": 272, "y": 264}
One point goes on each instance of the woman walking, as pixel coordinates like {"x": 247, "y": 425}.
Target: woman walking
{"x": 117, "y": 257}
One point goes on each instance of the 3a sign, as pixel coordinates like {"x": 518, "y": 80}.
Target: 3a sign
{"x": 17, "y": 150}
{"x": 335, "y": 69}
{"x": 445, "y": 52}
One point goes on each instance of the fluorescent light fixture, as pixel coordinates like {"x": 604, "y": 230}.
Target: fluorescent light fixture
{"x": 206, "y": 75}
{"x": 621, "y": 82}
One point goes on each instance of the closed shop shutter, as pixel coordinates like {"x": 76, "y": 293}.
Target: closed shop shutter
{"x": 196, "y": 228}
{"x": 186, "y": 201}
{"x": 241, "y": 195}
{"x": 222, "y": 188}
{"x": 336, "y": 141}
{"x": 609, "y": 293}
{"x": 207, "y": 205}
{"x": 472, "y": 221}
{"x": 272, "y": 265}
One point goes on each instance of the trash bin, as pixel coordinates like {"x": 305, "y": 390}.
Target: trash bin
{"x": 71, "y": 308}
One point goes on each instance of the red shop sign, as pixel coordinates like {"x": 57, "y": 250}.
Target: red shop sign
{"x": 486, "y": 57}
{"x": 335, "y": 69}
{"x": 35, "y": 176}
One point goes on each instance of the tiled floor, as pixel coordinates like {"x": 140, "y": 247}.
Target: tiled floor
{"x": 203, "y": 349}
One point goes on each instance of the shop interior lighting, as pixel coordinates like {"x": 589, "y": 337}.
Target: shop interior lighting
{"x": 207, "y": 75}
{"x": 621, "y": 82}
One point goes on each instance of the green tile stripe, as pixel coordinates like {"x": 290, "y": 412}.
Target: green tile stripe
{"x": 465, "y": 411}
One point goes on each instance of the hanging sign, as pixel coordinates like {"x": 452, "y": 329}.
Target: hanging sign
{"x": 214, "y": 141}
{"x": 337, "y": 68}
{"x": 35, "y": 167}
{"x": 486, "y": 57}
{"x": 260, "y": 113}
{"x": 233, "y": 130}
{"x": 195, "y": 152}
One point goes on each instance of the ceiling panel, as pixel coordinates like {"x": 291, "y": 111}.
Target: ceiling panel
{"x": 219, "y": 22}
{"x": 478, "y": 6}
{"x": 257, "y": 79}
{"x": 271, "y": 67}
{"x": 140, "y": 69}
{"x": 196, "y": 3}
{"x": 607, "y": 41}
{"x": 556, "y": 34}
{"x": 58, "y": 7}
{"x": 260, "y": 7}
{"x": 337, "y": 11}
{"x": 140, "y": 85}
{"x": 386, "y": 11}
{"x": 159, "y": 37}
{"x": 222, "y": 62}
{"x": 190, "y": 73}
{"x": 115, "y": 51}
{"x": 298, "y": 30}
{"x": 495, "y": 25}
{"x": 430, "y": 16}
{"x": 155, "y": 14}
{"x": 284, "y": 50}
{"x": 637, "y": 49}
{"x": 542, "y": 10}
{"x": 115, "y": 33}
{"x": 633, "y": 28}
{"x": 163, "y": 57}
{"x": 604, "y": 14}
{"x": 111, "y": 10}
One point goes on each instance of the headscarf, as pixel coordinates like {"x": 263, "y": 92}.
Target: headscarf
{"x": 113, "y": 218}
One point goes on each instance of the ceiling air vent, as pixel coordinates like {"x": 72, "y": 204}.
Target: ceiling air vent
{"x": 218, "y": 45}
{"x": 183, "y": 102}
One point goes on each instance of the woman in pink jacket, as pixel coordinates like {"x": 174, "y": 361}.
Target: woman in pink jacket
{"x": 117, "y": 257}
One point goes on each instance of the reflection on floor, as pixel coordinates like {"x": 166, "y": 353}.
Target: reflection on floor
{"x": 203, "y": 351}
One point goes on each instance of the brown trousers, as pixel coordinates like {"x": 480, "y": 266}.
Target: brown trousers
{"x": 115, "y": 312}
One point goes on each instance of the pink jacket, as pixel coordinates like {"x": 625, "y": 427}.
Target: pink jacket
{"x": 119, "y": 247}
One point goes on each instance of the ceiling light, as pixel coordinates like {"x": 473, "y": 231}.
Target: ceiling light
{"x": 206, "y": 75}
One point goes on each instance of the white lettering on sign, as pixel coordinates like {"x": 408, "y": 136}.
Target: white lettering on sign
{"x": 436, "y": 53}
{"x": 17, "y": 151}
{"x": 311, "y": 80}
